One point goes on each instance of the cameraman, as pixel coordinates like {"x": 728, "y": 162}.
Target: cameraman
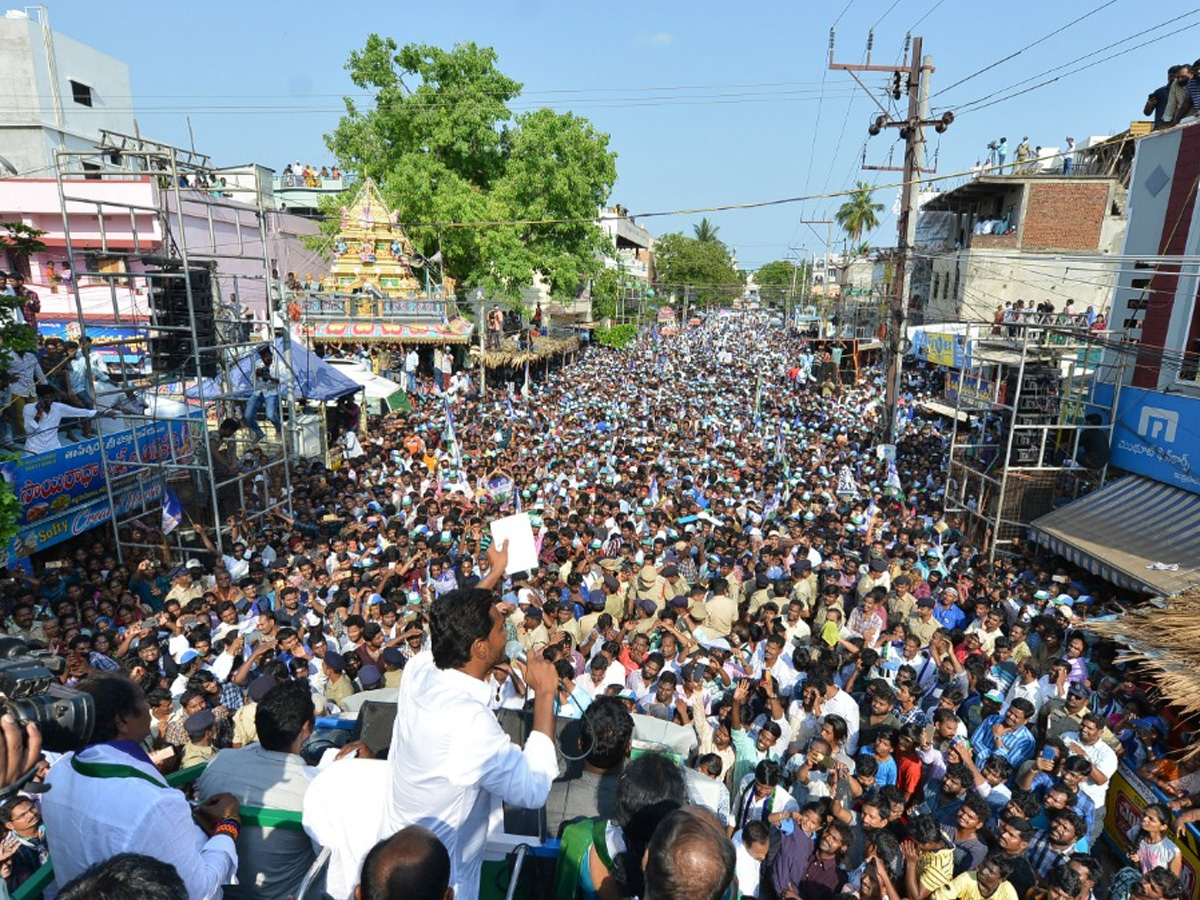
{"x": 109, "y": 798}
{"x": 268, "y": 375}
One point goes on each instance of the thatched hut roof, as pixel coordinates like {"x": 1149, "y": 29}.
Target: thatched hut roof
{"x": 510, "y": 354}
{"x": 1164, "y": 639}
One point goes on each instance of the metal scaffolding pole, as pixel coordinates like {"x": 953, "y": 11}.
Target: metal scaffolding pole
{"x": 197, "y": 231}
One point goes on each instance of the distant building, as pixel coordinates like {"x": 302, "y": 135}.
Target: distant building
{"x": 1022, "y": 237}
{"x": 633, "y": 243}
{"x": 59, "y": 94}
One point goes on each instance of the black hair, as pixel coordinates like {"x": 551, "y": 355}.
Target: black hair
{"x": 413, "y": 863}
{"x": 925, "y": 830}
{"x": 979, "y": 806}
{"x": 651, "y": 786}
{"x": 1095, "y": 872}
{"x": 755, "y": 832}
{"x": 126, "y": 876}
{"x": 1076, "y": 821}
{"x": 1065, "y": 879}
{"x": 1167, "y": 881}
{"x": 1027, "y": 802}
{"x": 710, "y": 763}
{"x": 9, "y": 806}
{"x": 866, "y": 765}
{"x": 1077, "y": 764}
{"x": 689, "y": 858}
{"x": 838, "y": 726}
{"x": 1003, "y": 864}
{"x": 281, "y": 715}
{"x": 114, "y": 696}
{"x": 767, "y": 772}
{"x": 457, "y": 620}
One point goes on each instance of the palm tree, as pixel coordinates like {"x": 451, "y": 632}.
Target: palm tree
{"x": 859, "y": 213}
{"x": 706, "y": 231}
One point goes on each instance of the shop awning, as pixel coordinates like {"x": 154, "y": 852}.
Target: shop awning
{"x": 1137, "y": 533}
{"x": 456, "y": 331}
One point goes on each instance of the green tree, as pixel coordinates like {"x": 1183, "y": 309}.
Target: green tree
{"x": 860, "y": 212}
{"x": 444, "y": 146}
{"x": 682, "y": 262}
{"x": 781, "y": 279}
{"x": 606, "y": 287}
{"x": 19, "y": 242}
{"x": 706, "y": 232}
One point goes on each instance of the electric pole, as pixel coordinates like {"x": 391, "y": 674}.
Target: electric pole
{"x": 914, "y": 80}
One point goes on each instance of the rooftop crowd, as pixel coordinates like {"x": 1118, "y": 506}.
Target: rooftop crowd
{"x": 868, "y": 706}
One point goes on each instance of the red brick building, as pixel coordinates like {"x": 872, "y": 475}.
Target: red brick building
{"x": 1024, "y": 237}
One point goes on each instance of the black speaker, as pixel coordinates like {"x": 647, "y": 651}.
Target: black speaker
{"x": 374, "y": 726}
{"x": 173, "y": 351}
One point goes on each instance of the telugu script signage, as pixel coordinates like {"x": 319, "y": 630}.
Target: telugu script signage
{"x": 1153, "y": 434}
{"x": 973, "y": 391}
{"x": 940, "y": 349}
{"x": 52, "y": 483}
{"x": 1128, "y": 796}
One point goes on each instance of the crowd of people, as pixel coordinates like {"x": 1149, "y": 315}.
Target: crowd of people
{"x": 860, "y": 702}
{"x": 309, "y": 176}
{"x": 1176, "y": 101}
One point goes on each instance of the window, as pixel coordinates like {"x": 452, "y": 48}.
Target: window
{"x": 81, "y": 93}
{"x": 92, "y": 170}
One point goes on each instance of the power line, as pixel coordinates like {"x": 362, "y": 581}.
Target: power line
{"x": 1028, "y": 46}
{"x": 895, "y": 3}
{"x": 1173, "y": 24}
{"x": 930, "y": 12}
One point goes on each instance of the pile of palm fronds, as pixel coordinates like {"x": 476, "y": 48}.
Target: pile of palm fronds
{"x": 1164, "y": 642}
{"x": 510, "y": 354}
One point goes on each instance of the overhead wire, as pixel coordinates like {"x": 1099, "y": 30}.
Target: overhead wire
{"x": 1174, "y": 25}
{"x": 1011, "y": 56}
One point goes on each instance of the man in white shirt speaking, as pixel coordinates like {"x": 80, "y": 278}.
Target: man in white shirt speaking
{"x": 448, "y": 751}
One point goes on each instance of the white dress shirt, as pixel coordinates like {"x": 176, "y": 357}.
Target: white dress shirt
{"x": 41, "y": 435}
{"x": 449, "y": 755}
{"x": 349, "y": 829}
{"x": 93, "y": 819}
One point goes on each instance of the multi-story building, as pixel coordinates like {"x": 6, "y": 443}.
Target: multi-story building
{"x": 59, "y": 94}
{"x": 1029, "y": 237}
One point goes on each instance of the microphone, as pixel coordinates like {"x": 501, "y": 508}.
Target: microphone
{"x": 514, "y": 651}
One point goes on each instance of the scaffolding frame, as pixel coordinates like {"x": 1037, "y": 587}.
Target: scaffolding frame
{"x": 1021, "y": 398}
{"x": 179, "y": 453}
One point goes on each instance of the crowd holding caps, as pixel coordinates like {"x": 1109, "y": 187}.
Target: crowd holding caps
{"x": 874, "y": 708}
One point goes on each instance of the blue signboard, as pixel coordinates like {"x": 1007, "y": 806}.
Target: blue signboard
{"x": 1155, "y": 434}
{"x": 51, "y": 483}
{"x": 63, "y": 492}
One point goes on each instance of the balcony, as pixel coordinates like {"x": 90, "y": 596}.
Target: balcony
{"x": 322, "y": 305}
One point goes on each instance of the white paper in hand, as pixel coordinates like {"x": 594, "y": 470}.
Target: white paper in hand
{"x": 518, "y": 531}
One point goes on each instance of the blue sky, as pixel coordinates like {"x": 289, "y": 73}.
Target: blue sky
{"x": 706, "y": 103}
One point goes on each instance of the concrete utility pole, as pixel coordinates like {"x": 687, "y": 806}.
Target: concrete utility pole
{"x": 919, "y": 70}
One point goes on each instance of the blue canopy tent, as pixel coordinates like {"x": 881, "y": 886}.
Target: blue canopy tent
{"x": 314, "y": 378}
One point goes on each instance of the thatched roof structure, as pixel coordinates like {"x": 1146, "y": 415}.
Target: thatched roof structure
{"x": 1165, "y": 641}
{"x": 510, "y": 354}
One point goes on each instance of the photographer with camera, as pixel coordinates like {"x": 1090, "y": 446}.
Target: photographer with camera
{"x": 109, "y": 798}
{"x": 267, "y": 376}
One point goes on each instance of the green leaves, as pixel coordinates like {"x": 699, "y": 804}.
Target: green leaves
{"x": 859, "y": 213}
{"x": 703, "y": 268}
{"x": 781, "y": 278}
{"x": 445, "y": 148}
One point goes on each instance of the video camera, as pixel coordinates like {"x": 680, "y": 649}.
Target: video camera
{"x": 993, "y": 145}
{"x": 32, "y": 693}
